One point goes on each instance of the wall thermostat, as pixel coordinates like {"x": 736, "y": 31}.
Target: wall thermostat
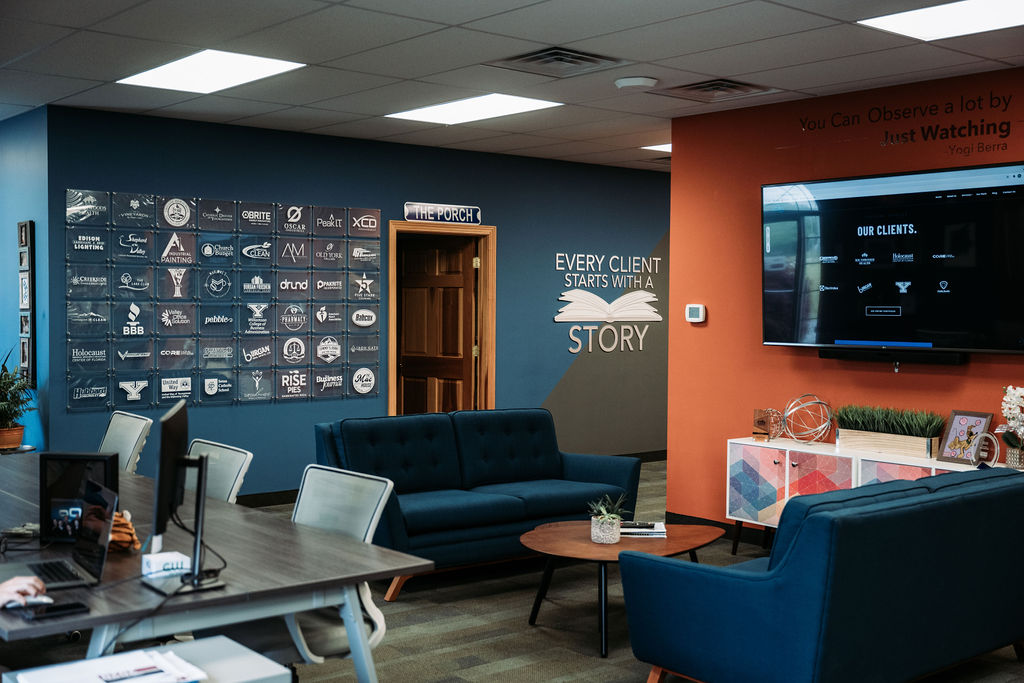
{"x": 695, "y": 313}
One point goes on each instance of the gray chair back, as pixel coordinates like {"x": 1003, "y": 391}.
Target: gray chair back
{"x": 126, "y": 435}
{"x": 345, "y": 502}
{"x": 225, "y": 469}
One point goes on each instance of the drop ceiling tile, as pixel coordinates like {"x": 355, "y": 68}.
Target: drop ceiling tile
{"x": 639, "y": 139}
{"x": 617, "y": 126}
{"x": 798, "y": 48}
{"x": 488, "y": 79}
{"x": 562, "y": 21}
{"x": 601, "y": 84}
{"x": 21, "y": 87}
{"x": 306, "y": 85}
{"x": 9, "y": 110}
{"x": 444, "y": 11}
{"x": 331, "y": 33}
{"x": 127, "y": 98}
{"x": 899, "y": 79}
{"x": 74, "y": 13}
{"x": 451, "y": 48}
{"x": 202, "y": 22}
{"x": 646, "y": 103}
{"x": 709, "y": 30}
{"x": 215, "y": 108}
{"x": 372, "y": 128}
{"x": 861, "y": 9}
{"x": 561, "y": 149}
{"x": 441, "y": 136}
{"x": 101, "y": 56}
{"x": 613, "y": 156}
{"x": 20, "y": 38}
{"x": 880, "y": 64}
{"x": 397, "y": 97}
{"x": 662, "y": 166}
{"x": 542, "y": 119}
{"x": 503, "y": 143}
{"x": 992, "y": 44}
{"x": 296, "y": 118}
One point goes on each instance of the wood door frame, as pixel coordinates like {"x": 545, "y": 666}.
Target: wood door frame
{"x": 487, "y": 241}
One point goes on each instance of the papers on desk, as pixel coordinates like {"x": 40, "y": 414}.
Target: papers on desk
{"x": 148, "y": 666}
{"x": 658, "y": 531}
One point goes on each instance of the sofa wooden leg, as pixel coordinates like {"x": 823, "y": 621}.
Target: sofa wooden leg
{"x": 1018, "y": 649}
{"x": 737, "y": 530}
{"x": 657, "y": 675}
{"x": 396, "y": 587}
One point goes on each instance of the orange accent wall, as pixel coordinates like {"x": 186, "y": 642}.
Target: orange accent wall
{"x": 718, "y": 371}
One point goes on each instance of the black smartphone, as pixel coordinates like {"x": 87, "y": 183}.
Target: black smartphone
{"x": 626, "y": 524}
{"x": 57, "y": 609}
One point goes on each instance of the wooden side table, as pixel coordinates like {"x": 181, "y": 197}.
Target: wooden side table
{"x": 571, "y": 540}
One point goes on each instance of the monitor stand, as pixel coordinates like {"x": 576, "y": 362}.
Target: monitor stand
{"x": 183, "y": 584}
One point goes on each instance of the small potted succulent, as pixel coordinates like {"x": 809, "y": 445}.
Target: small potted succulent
{"x": 606, "y": 518}
{"x": 15, "y": 398}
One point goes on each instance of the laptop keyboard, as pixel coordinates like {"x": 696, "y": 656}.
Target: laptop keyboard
{"x": 54, "y": 571}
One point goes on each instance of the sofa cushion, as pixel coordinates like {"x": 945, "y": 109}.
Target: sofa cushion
{"x": 548, "y": 497}
{"x": 426, "y": 511}
{"x": 799, "y": 507}
{"x": 417, "y": 452}
{"x": 498, "y": 446}
{"x": 948, "y": 480}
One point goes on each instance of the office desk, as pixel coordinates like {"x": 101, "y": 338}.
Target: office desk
{"x": 274, "y": 568}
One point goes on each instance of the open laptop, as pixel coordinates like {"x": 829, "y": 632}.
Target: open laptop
{"x": 94, "y": 517}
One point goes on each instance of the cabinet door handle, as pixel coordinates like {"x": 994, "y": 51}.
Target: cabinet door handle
{"x": 775, "y": 462}
{"x": 795, "y": 464}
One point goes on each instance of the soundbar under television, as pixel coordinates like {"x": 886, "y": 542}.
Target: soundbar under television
{"x": 917, "y": 262}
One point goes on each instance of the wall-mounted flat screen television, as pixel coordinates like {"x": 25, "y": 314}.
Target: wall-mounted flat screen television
{"x": 923, "y": 262}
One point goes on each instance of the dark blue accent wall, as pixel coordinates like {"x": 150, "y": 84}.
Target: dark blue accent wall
{"x": 537, "y": 205}
{"x": 23, "y": 197}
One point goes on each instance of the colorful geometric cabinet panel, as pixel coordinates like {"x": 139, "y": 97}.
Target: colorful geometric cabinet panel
{"x": 757, "y": 483}
{"x": 817, "y": 473}
{"x": 873, "y": 471}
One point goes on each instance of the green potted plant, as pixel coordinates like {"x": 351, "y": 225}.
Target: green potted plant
{"x": 888, "y": 430}
{"x": 15, "y": 398}
{"x": 606, "y": 518}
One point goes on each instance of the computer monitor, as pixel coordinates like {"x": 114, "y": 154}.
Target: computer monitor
{"x": 169, "y": 494}
{"x": 62, "y": 481}
{"x": 169, "y": 490}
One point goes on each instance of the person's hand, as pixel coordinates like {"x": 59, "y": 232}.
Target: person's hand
{"x": 19, "y": 588}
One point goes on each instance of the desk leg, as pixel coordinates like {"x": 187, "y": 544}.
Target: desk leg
{"x": 602, "y": 599}
{"x": 542, "y": 590}
{"x": 101, "y": 637}
{"x": 352, "y": 614}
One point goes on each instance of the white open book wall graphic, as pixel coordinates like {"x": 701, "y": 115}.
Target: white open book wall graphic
{"x": 586, "y": 306}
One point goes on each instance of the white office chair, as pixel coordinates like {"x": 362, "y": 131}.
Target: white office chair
{"x": 225, "y": 468}
{"x": 348, "y": 503}
{"x": 126, "y": 435}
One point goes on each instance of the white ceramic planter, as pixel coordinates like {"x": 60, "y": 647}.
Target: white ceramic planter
{"x": 605, "y": 531}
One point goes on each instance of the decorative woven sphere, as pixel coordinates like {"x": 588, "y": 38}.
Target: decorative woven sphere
{"x": 807, "y": 418}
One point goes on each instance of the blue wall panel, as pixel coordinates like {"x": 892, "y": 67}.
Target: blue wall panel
{"x": 535, "y": 204}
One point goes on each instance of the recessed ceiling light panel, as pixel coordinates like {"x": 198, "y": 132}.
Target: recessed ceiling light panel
{"x": 209, "y": 71}
{"x": 474, "y": 109}
{"x": 952, "y": 19}
{"x": 659, "y": 148}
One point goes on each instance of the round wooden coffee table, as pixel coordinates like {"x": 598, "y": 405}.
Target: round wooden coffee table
{"x": 572, "y": 540}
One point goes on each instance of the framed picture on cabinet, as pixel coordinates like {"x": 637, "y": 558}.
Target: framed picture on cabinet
{"x": 961, "y": 441}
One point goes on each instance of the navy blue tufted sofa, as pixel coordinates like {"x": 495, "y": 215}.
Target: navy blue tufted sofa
{"x": 469, "y": 483}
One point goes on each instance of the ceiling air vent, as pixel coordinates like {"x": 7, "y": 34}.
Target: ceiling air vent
{"x": 558, "y": 62}
{"x": 717, "y": 90}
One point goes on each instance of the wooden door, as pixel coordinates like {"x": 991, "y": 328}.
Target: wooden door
{"x": 436, "y": 287}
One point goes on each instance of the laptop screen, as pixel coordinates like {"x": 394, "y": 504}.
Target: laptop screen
{"x": 97, "y": 516}
{"x": 62, "y": 478}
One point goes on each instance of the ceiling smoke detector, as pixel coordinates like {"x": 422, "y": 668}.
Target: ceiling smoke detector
{"x": 636, "y": 82}
{"x": 558, "y": 62}
{"x": 716, "y": 90}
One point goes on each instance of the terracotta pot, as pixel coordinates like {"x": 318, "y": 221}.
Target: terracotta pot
{"x": 605, "y": 530}
{"x": 11, "y": 437}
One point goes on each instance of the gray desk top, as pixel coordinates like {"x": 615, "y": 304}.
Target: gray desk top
{"x": 267, "y": 557}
